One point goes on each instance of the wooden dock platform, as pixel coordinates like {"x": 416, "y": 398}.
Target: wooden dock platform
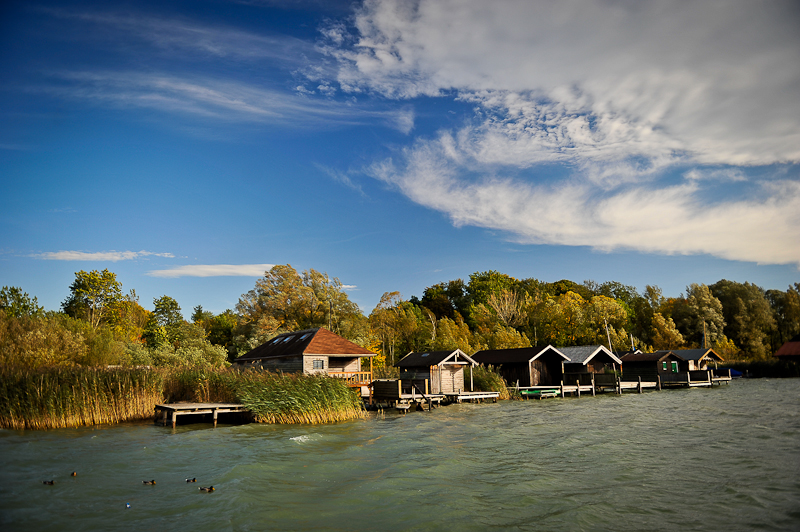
{"x": 174, "y": 410}
{"x": 459, "y": 397}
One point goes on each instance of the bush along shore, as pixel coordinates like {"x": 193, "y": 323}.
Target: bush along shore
{"x": 51, "y": 398}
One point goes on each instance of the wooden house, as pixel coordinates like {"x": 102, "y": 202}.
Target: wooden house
{"x": 311, "y": 351}
{"x": 790, "y": 350}
{"x": 649, "y": 366}
{"x": 697, "y": 359}
{"x": 589, "y": 359}
{"x": 526, "y": 366}
{"x": 444, "y": 370}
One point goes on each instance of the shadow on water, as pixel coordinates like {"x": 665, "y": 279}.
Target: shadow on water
{"x": 675, "y": 460}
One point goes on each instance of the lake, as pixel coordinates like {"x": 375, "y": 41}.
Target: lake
{"x": 726, "y": 458}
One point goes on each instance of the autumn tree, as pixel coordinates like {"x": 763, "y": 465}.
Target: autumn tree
{"x": 664, "y": 334}
{"x": 700, "y": 317}
{"x": 748, "y": 316}
{"x": 17, "y": 303}
{"x": 92, "y": 296}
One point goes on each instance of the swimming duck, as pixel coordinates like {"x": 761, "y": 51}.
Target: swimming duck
{"x": 208, "y": 489}
{"x": 74, "y": 474}
{"x": 191, "y": 480}
{"x": 49, "y": 482}
{"x": 149, "y": 482}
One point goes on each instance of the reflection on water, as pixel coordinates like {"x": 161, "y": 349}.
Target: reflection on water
{"x": 674, "y": 460}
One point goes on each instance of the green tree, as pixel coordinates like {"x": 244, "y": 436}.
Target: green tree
{"x": 700, "y": 314}
{"x": 17, "y": 303}
{"x": 748, "y": 316}
{"x": 165, "y": 323}
{"x": 92, "y": 296}
{"x": 786, "y": 313}
{"x": 664, "y": 334}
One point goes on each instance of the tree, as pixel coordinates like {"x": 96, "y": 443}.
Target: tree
{"x": 748, "y": 316}
{"x": 283, "y": 300}
{"x": 700, "y": 318}
{"x": 165, "y": 323}
{"x": 664, "y": 334}
{"x": 92, "y": 296}
{"x": 17, "y": 303}
{"x": 786, "y": 313}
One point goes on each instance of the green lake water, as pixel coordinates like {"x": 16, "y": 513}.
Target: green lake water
{"x": 726, "y": 458}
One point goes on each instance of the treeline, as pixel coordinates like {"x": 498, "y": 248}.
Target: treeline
{"x": 100, "y": 325}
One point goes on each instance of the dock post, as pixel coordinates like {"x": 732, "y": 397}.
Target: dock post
{"x": 215, "y": 418}
{"x": 562, "y": 389}
{"x": 710, "y": 382}
{"x": 640, "y": 384}
{"x": 593, "y": 388}
{"x": 578, "y": 387}
{"x": 688, "y": 379}
{"x": 658, "y": 377}
{"x": 174, "y": 418}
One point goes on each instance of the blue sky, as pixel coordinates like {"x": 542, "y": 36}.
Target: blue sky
{"x": 188, "y": 146}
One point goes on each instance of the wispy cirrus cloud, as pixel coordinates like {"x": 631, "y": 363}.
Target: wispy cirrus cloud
{"x": 213, "y": 270}
{"x": 644, "y": 109}
{"x": 107, "y": 256}
{"x": 205, "y": 98}
{"x": 187, "y": 36}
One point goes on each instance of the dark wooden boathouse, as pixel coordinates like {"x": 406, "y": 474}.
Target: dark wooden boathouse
{"x": 649, "y": 366}
{"x": 528, "y": 366}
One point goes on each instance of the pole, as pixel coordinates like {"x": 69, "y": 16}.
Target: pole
{"x": 609, "y": 336}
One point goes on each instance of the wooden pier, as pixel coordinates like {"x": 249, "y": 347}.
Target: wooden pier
{"x": 174, "y": 410}
{"x": 461, "y": 396}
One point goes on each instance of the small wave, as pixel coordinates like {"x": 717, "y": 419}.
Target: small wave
{"x": 305, "y": 438}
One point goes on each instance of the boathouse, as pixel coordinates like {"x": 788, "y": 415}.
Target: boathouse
{"x": 790, "y": 350}
{"x": 697, "y": 359}
{"x": 444, "y": 370}
{"x": 589, "y": 359}
{"x": 649, "y": 366}
{"x": 312, "y": 351}
{"x": 526, "y": 366}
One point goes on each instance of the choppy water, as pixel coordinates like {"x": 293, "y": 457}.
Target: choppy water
{"x": 721, "y": 459}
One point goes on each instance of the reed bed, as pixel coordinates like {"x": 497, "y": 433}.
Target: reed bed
{"x": 73, "y": 397}
{"x": 278, "y": 398}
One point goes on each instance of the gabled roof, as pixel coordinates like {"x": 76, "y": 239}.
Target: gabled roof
{"x": 583, "y": 354}
{"x": 516, "y": 355}
{"x": 317, "y": 341}
{"x": 435, "y": 358}
{"x": 693, "y": 354}
{"x": 790, "y": 348}
{"x": 658, "y": 356}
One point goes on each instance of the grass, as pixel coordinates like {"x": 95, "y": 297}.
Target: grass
{"x": 73, "y": 397}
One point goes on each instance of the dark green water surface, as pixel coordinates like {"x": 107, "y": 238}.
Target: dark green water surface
{"x": 721, "y": 459}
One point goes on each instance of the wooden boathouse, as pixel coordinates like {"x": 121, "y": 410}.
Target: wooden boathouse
{"x": 526, "y": 366}
{"x": 444, "y": 370}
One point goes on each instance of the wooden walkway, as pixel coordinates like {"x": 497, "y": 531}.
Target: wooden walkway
{"x": 174, "y": 410}
{"x": 459, "y": 397}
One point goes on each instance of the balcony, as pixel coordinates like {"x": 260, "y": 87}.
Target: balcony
{"x": 354, "y": 379}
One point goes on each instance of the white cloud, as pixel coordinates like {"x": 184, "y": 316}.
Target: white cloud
{"x": 620, "y": 96}
{"x": 213, "y": 99}
{"x": 110, "y": 256}
{"x": 213, "y": 270}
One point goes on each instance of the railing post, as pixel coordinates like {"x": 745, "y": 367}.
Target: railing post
{"x": 593, "y": 388}
{"x": 578, "y": 387}
{"x": 562, "y": 389}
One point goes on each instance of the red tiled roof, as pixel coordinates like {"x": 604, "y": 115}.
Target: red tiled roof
{"x": 790, "y": 348}
{"x": 308, "y": 342}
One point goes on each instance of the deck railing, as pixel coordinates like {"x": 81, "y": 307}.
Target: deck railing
{"x": 353, "y": 378}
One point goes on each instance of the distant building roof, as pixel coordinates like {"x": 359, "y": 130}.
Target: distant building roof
{"x": 790, "y": 348}
{"x": 434, "y": 358}
{"x": 583, "y": 354}
{"x": 514, "y": 356}
{"x": 694, "y": 354}
{"x": 317, "y": 341}
{"x": 649, "y": 357}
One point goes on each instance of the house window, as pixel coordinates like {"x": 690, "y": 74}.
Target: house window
{"x": 319, "y": 364}
{"x": 664, "y": 366}
{"x": 674, "y": 367}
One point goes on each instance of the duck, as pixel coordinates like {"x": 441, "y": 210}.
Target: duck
{"x": 74, "y": 474}
{"x": 149, "y": 482}
{"x": 191, "y": 480}
{"x": 49, "y": 482}
{"x": 208, "y": 489}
